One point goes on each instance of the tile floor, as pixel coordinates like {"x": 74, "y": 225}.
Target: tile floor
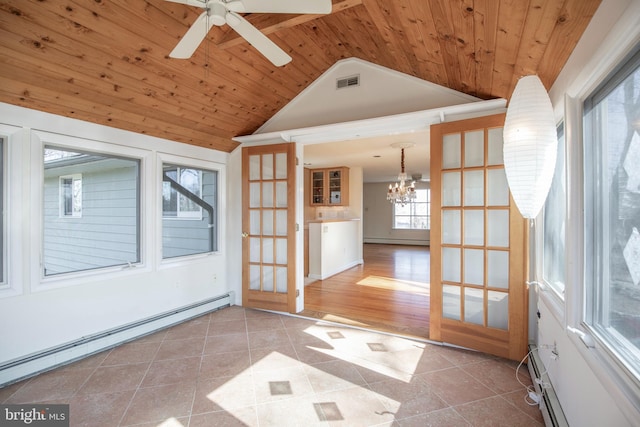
{"x": 242, "y": 367}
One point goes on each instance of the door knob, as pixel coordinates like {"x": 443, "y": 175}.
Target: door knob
{"x": 245, "y": 235}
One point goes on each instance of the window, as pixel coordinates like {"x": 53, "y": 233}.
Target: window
{"x": 612, "y": 214}
{"x": 415, "y": 215}
{"x": 554, "y": 224}
{"x": 189, "y": 197}
{"x": 101, "y": 194}
{"x": 2, "y": 207}
{"x": 71, "y": 196}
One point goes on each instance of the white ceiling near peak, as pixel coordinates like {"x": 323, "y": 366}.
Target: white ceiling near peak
{"x": 381, "y": 92}
{"x": 356, "y": 126}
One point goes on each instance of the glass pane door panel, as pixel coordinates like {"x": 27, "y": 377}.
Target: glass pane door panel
{"x": 497, "y": 188}
{"x": 267, "y": 250}
{"x": 451, "y": 302}
{"x": 254, "y": 168}
{"x": 495, "y": 142}
{"x": 267, "y": 222}
{"x": 474, "y": 148}
{"x": 281, "y": 223}
{"x": 474, "y": 306}
{"x": 281, "y": 280}
{"x": 474, "y": 188}
{"x": 498, "y": 310}
{"x": 474, "y": 227}
{"x": 281, "y": 166}
{"x": 254, "y": 222}
{"x": 451, "y": 189}
{"x": 451, "y": 264}
{"x": 254, "y": 277}
{"x": 267, "y": 278}
{"x": 267, "y": 166}
{"x": 498, "y": 269}
{"x": 497, "y": 227}
{"x": 254, "y": 195}
{"x": 281, "y": 251}
{"x": 254, "y": 249}
{"x": 474, "y": 266}
{"x": 267, "y": 195}
{"x": 451, "y": 228}
{"x": 451, "y": 151}
{"x": 281, "y": 194}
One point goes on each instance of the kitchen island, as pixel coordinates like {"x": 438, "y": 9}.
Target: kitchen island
{"x": 334, "y": 246}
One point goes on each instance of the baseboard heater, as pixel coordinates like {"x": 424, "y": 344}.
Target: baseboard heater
{"x": 549, "y": 403}
{"x": 36, "y": 363}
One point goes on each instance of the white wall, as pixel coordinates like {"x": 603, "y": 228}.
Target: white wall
{"x": 377, "y": 219}
{"x": 590, "y": 392}
{"x": 38, "y": 313}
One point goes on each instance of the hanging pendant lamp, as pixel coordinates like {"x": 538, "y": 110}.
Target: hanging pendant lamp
{"x": 530, "y": 145}
{"x": 402, "y": 193}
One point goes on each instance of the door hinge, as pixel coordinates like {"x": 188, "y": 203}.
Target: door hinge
{"x": 297, "y": 293}
{"x": 297, "y": 161}
{"x": 297, "y": 227}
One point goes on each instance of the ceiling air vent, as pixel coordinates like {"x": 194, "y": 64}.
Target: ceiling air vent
{"x": 348, "y": 81}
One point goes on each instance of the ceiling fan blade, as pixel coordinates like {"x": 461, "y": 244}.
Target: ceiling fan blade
{"x": 258, "y": 40}
{"x": 196, "y": 3}
{"x": 280, "y": 6}
{"x": 192, "y": 38}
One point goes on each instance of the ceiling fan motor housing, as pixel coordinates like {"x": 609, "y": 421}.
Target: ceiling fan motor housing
{"x": 217, "y": 13}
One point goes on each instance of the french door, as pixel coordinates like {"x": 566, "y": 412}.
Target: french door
{"x": 269, "y": 227}
{"x": 478, "y": 242}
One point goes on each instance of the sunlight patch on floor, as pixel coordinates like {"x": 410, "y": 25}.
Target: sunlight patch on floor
{"x": 171, "y": 422}
{"x": 278, "y": 378}
{"x": 395, "y": 284}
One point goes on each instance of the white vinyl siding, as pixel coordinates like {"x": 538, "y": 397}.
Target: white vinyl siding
{"x": 107, "y": 232}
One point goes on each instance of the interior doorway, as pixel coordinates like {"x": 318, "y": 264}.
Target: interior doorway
{"x": 389, "y": 292}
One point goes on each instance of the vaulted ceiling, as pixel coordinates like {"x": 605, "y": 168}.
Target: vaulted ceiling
{"x": 106, "y": 61}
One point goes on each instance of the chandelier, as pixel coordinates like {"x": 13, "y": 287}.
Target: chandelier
{"x": 401, "y": 193}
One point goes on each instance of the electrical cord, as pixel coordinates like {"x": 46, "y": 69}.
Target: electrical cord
{"x": 532, "y": 398}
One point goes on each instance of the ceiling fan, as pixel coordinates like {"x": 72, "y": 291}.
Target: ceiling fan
{"x": 220, "y": 12}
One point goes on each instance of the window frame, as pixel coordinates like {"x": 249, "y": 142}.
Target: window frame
{"x": 4, "y": 283}
{"x": 556, "y": 297}
{"x": 411, "y": 216}
{"x": 583, "y": 305}
{"x": 41, "y": 139}
{"x": 187, "y": 163}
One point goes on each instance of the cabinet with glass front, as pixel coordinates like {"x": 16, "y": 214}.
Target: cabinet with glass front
{"x": 330, "y": 187}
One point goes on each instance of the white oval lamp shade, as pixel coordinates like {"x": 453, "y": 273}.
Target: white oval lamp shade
{"x": 530, "y": 145}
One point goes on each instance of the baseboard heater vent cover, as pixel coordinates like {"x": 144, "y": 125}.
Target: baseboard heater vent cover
{"x": 549, "y": 403}
{"x": 36, "y": 363}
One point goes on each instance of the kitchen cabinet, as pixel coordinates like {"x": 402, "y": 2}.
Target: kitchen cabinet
{"x": 329, "y": 187}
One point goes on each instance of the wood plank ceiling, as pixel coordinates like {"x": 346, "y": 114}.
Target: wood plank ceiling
{"x": 106, "y": 61}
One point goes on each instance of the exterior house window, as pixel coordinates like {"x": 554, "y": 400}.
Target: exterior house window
{"x": 102, "y": 194}
{"x": 189, "y": 210}
{"x": 612, "y": 215}
{"x": 181, "y": 204}
{"x": 414, "y": 215}
{"x": 71, "y": 196}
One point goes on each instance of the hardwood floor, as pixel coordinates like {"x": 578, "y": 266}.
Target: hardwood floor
{"x": 389, "y": 292}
